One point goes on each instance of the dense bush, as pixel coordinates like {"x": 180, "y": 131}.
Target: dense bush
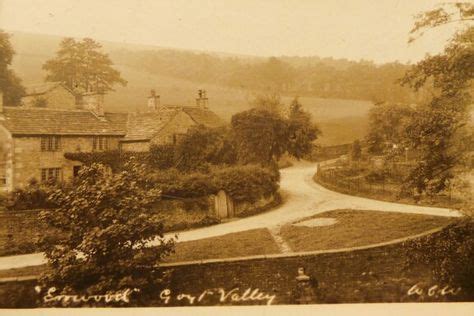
{"x": 33, "y": 196}
{"x": 450, "y": 253}
{"x": 243, "y": 183}
{"x": 115, "y": 159}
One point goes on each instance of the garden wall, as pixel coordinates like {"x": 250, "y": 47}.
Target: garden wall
{"x": 20, "y": 230}
{"x": 371, "y": 275}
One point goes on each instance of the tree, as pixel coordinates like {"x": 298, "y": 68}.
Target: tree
{"x": 204, "y": 145}
{"x": 387, "y": 126}
{"x": 97, "y": 237}
{"x": 441, "y": 122}
{"x": 10, "y": 84}
{"x": 82, "y": 66}
{"x": 302, "y": 132}
{"x": 261, "y": 136}
{"x": 270, "y": 102}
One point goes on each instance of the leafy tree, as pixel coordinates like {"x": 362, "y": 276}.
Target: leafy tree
{"x": 440, "y": 123}
{"x": 10, "y": 84}
{"x": 387, "y": 126}
{"x": 270, "y": 102}
{"x": 101, "y": 229}
{"x": 82, "y": 66}
{"x": 302, "y": 132}
{"x": 261, "y": 136}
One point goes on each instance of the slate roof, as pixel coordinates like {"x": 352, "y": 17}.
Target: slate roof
{"x": 133, "y": 126}
{"x": 37, "y": 121}
{"x": 203, "y": 116}
{"x": 143, "y": 126}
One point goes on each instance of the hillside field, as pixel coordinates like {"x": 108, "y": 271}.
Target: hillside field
{"x": 341, "y": 121}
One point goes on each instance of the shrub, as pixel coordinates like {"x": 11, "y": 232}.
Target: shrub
{"x": 33, "y": 196}
{"x": 450, "y": 253}
{"x": 243, "y": 183}
{"x": 105, "y": 224}
{"x": 115, "y": 159}
{"x": 161, "y": 156}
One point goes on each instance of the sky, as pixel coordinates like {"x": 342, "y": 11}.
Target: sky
{"x": 354, "y": 29}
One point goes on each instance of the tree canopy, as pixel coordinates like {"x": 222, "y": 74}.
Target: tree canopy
{"x": 438, "y": 128}
{"x": 82, "y": 66}
{"x": 10, "y": 84}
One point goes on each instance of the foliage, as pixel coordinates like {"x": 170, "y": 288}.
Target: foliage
{"x": 115, "y": 159}
{"x": 387, "y": 126}
{"x": 82, "y": 66}
{"x": 443, "y": 14}
{"x": 261, "y": 136}
{"x": 302, "y": 132}
{"x": 243, "y": 183}
{"x": 10, "y": 84}
{"x": 438, "y": 128}
{"x": 450, "y": 253}
{"x": 32, "y": 196}
{"x": 308, "y": 76}
{"x": 161, "y": 156}
{"x": 105, "y": 225}
{"x": 247, "y": 183}
{"x": 203, "y": 145}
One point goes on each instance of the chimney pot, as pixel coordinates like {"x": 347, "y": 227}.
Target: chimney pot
{"x": 153, "y": 101}
{"x": 202, "y": 100}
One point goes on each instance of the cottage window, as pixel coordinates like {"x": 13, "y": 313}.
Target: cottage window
{"x": 51, "y": 175}
{"x": 100, "y": 143}
{"x": 50, "y": 143}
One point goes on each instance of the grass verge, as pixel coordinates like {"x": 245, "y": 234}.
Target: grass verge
{"x": 246, "y": 243}
{"x": 358, "y": 228}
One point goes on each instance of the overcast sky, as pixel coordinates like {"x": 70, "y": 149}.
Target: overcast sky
{"x": 354, "y": 29}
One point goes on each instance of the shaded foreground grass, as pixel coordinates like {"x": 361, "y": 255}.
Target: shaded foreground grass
{"x": 358, "y": 228}
{"x": 246, "y": 243}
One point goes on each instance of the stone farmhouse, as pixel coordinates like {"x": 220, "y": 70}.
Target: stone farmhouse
{"x": 50, "y": 94}
{"x": 33, "y": 140}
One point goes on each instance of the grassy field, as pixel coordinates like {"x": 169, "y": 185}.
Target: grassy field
{"x": 358, "y": 228}
{"x": 247, "y": 243}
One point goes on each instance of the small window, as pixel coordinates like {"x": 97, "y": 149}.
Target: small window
{"x": 100, "y": 143}
{"x": 51, "y": 175}
{"x": 50, "y": 143}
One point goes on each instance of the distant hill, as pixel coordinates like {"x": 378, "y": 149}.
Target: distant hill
{"x": 341, "y": 120}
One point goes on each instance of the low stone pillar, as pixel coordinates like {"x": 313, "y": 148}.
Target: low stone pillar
{"x": 304, "y": 292}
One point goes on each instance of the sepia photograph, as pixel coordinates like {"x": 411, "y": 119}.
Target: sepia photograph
{"x": 213, "y": 155}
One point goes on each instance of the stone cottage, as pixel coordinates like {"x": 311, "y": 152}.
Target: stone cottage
{"x": 52, "y": 95}
{"x": 34, "y": 140}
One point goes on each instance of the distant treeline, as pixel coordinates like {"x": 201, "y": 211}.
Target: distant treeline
{"x": 304, "y": 76}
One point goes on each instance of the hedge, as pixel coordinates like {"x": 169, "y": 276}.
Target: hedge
{"x": 243, "y": 183}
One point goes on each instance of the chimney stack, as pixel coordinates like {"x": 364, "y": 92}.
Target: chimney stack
{"x": 202, "y": 100}
{"x": 94, "y": 102}
{"x": 153, "y": 101}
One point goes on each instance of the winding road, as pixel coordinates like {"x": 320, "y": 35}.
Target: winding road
{"x": 302, "y": 197}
